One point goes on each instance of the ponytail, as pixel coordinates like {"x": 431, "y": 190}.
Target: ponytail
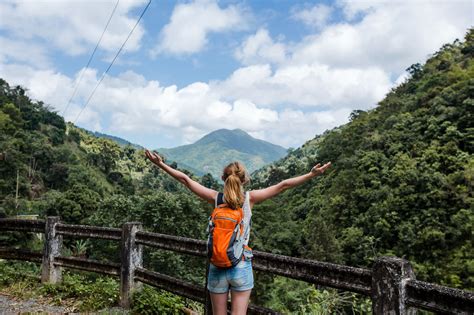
{"x": 233, "y": 191}
{"x": 234, "y": 176}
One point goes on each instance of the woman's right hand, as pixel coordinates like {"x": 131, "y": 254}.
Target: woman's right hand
{"x": 319, "y": 170}
{"x": 203, "y": 192}
{"x": 154, "y": 157}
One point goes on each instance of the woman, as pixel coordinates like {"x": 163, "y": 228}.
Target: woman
{"x": 238, "y": 279}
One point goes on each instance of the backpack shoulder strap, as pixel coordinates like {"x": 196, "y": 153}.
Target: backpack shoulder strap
{"x": 219, "y": 199}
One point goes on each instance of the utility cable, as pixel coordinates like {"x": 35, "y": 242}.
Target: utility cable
{"x": 118, "y": 52}
{"x": 90, "y": 59}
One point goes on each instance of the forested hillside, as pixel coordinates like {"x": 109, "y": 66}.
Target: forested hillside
{"x": 401, "y": 181}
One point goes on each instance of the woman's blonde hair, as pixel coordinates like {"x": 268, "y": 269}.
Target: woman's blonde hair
{"x": 234, "y": 177}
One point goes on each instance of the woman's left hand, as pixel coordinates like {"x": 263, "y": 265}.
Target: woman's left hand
{"x": 318, "y": 169}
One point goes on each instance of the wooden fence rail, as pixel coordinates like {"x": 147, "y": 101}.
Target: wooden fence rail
{"x": 391, "y": 283}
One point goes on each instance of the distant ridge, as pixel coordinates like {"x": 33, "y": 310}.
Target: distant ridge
{"x": 122, "y": 142}
{"x": 220, "y": 147}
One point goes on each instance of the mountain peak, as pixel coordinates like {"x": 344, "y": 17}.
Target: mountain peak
{"x": 237, "y": 131}
{"x": 219, "y": 147}
{"x": 225, "y": 136}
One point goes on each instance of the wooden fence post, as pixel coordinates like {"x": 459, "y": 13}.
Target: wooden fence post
{"x": 52, "y": 248}
{"x": 131, "y": 256}
{"x": 389, "y": 277}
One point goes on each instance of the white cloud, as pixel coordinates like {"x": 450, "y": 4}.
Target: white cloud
{"x": 42, "y": 85}
{"x": 190, "y": 24}
{"x": 391, "y": 35}
{"x": 317, "y": 16}
{"x": 194, "y": 105}
{"x": 314, "y": 85}
{"x": 307, "y": 125}
{"x": 71, "y": 26}
{"x": 186, "y": 113}
{"x": 23, "y": 51}
{"x": 260, "y": 48}
{"x": 52, "y": 88}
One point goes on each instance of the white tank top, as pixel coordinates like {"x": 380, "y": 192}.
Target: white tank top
{"x": 247, "y": 217}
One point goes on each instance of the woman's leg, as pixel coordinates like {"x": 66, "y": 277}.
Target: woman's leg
{"x": 219, "y": 303}
{"x": 240, "y": 302}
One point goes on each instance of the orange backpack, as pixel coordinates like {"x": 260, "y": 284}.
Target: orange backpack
{"x": 225, "y": 245}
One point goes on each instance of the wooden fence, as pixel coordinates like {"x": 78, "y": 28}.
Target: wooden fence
{"x": 391, "y": 283}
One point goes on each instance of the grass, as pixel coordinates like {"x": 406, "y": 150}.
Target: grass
{"x": 86, "y": 292}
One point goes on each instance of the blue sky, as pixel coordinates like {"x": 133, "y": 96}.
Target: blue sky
{"x": 283, "y": 71}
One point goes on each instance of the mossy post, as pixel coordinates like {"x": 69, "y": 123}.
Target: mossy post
{"x": 131, "y": 255}
{"x": 50, "y": 273}
{"x": 389, "y": 278}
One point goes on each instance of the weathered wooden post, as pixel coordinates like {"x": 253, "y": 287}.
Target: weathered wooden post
{"x": 389, "y": 278}
{"x": 131, "y": 256}
{"x": 52, "y": 248}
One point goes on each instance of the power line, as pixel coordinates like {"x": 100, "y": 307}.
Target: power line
{"x": 90, "y": 59}
{"x": 118, "y": 52}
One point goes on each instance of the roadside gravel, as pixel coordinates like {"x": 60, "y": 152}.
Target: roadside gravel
{"x": 10, "y": 305}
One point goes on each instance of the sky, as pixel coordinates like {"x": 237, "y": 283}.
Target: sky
{"x": 283, "y": 71}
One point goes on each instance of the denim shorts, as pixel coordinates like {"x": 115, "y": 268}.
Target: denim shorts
{"x": 238, "y": 278}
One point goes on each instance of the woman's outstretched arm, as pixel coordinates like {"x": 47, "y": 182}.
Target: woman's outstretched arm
{"x": 260, "y": 195}
{"x": 203, "y": 192}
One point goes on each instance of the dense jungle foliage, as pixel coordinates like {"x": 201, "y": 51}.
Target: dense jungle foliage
{"x": 401, "y": 184}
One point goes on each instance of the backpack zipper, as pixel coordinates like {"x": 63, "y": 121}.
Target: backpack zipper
{"x": 225, "y": 218}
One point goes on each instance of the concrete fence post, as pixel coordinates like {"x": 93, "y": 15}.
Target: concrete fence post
{"x": 52, "y": 248}
{"x": 131, "y": 256}
{"x": 389, "y": 278}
